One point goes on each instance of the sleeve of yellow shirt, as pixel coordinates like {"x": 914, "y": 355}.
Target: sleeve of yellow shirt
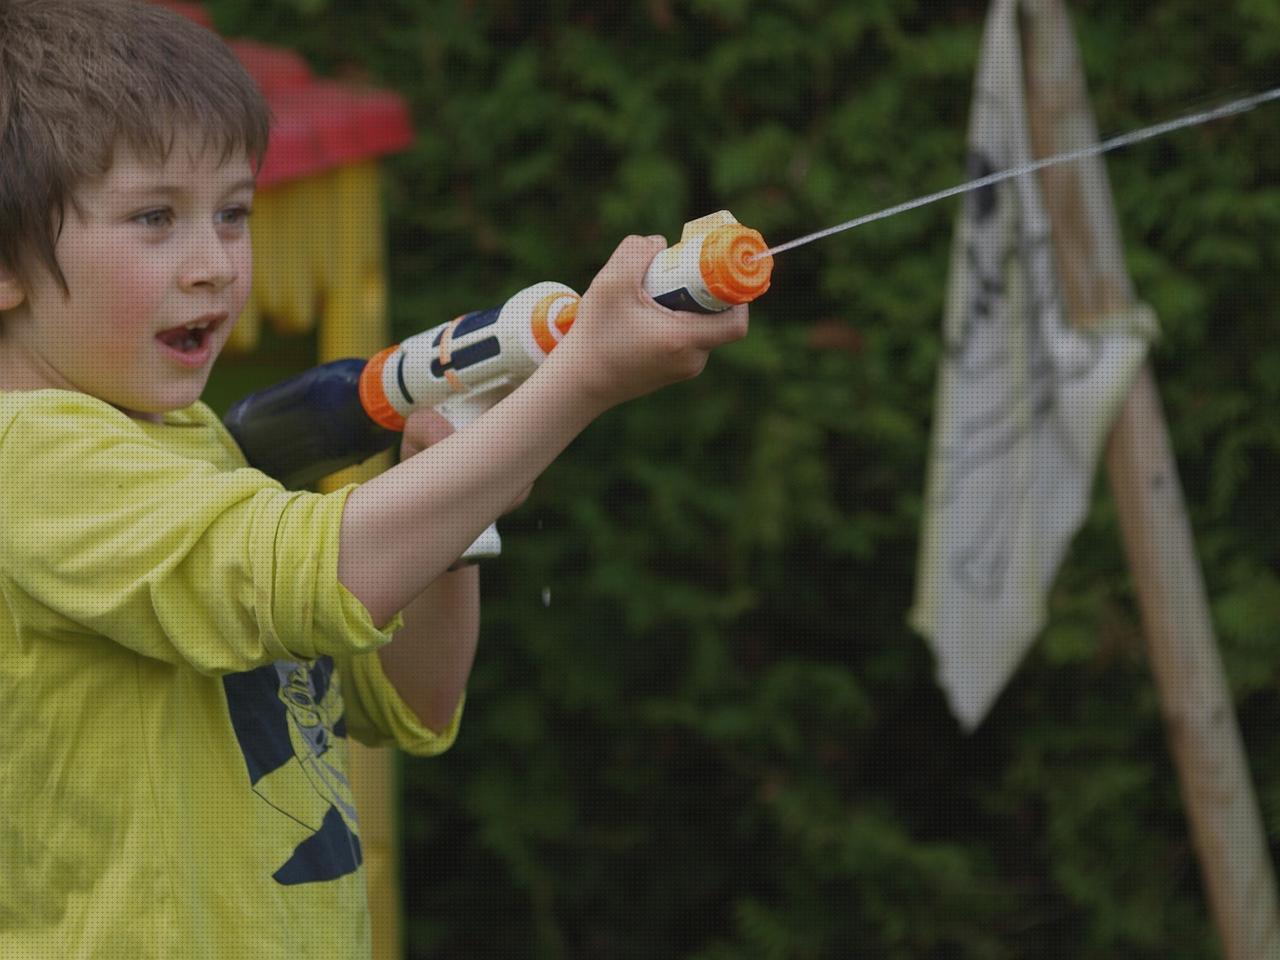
{"x": 377, "y": 716}
{"x": 109, "y": 533}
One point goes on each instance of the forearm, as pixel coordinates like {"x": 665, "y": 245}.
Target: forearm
{"x": 430, "y": 658}
{"x": 404, "y": 528}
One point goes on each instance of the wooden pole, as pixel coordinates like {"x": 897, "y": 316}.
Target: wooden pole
{"x": 1199, "y": 716}
{"x": 1195, "y": 700}
{"x": 355, "y": 325}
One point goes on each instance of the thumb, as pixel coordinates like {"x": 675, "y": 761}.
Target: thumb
{"x": 632, "y": 257}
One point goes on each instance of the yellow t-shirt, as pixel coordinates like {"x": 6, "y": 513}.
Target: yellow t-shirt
{"x": 179, "y": 671}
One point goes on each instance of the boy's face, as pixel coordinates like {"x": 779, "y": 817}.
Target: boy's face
{"x": 158, "y": 264}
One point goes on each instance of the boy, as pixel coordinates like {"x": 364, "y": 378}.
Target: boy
{"x": 184, "y": 646}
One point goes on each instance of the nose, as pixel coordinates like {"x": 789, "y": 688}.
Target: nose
{"x": 210, "y": 261}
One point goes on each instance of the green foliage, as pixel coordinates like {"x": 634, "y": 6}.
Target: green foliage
{"x": 699, "y": 726}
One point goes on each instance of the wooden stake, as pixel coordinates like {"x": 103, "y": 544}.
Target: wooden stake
{"x": 1200, "y": 720}
{"x": 355, "y": 325}
{"x": 1199, "y": 715}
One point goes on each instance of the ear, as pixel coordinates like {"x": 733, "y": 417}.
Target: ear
{"x": 11, "y": 292}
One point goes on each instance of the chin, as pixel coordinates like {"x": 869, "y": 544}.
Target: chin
{"x": 155, "y": 405}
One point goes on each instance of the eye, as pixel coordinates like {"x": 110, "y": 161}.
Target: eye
{"x": 161, "y": 217}
{"x": 234, "y": 216}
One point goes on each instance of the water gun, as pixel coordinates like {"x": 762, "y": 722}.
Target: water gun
{"x": 346, "y": 411}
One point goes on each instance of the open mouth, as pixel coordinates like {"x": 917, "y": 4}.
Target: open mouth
{"x": 190, "y": 337}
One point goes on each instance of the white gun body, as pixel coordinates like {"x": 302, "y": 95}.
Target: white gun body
{"x": 465, "y": 366}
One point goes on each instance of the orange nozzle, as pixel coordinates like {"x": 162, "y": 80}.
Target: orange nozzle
{"x": 728, "y": 268}
{"x": 373, "y": 398}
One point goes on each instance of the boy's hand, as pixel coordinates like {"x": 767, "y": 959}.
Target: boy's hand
{"x": 623, "y": 344}
{"x": 426, "y": 427}
{"x": 422, "y": 429}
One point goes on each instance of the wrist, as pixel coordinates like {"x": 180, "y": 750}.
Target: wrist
{"x": 574, "y": 394}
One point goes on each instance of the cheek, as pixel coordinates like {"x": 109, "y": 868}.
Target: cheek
{"x": 143, "y": 283}
{"x": 243, "y": 260}
{"x": 123, "y": 289}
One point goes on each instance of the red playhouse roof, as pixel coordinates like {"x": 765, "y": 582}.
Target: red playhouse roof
{"x": 317, "y": 124}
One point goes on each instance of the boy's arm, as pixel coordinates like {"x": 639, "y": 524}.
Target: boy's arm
{"x": 431, "y": 658}
{"x": 407, "y": 526}
{"x": 404, "y": 528}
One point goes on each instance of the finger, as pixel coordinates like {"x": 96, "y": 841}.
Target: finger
{"x": 710, "y": 330}
{"x": 427, "y": 426}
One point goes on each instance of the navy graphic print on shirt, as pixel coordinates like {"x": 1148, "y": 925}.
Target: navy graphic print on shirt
{"x": 288, "y": 719}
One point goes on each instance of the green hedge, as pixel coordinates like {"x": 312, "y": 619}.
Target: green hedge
{"x": 699, "y": 726}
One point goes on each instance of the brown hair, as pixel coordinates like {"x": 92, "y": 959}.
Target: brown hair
{"x": 79, "y": 76}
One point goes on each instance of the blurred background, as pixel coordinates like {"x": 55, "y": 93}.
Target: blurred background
{"x": 699, "y": 725}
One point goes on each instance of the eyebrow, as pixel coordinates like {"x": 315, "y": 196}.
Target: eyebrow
{"x": 176, "y": 190}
